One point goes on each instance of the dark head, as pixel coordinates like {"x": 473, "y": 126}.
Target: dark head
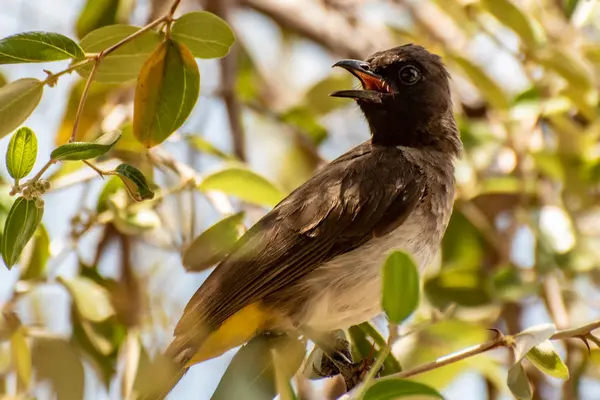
{"x": 405, "y": 98}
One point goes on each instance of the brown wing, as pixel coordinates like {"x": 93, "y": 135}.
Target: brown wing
{"x": 365, "y": 192}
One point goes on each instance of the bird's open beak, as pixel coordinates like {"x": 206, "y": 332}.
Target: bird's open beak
{"x": 373, "y": 85}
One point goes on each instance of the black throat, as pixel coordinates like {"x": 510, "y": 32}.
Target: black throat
{"x": 413, "y": 128}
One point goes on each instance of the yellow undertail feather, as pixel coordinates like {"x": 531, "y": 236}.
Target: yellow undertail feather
{"x": 235, "y": 331}
{"x": 169, "y": 368}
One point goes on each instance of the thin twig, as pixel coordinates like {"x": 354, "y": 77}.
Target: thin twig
{"x": 133, "y": 35}
{"x": 100, "y": 56}
{"x": 41, "y": 171}
{"x": 51, "y": 79}
{"x": 86, "y": 89}
{"x": 581, "y": 332}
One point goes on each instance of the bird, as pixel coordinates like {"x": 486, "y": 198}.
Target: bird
{"x": 312, "y": 265}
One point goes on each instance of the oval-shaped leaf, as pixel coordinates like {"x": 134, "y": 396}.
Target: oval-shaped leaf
{"x": 18, "y": 99}
{"x": 86, "y": 150}
{"x": 30, "y": 47}
{"x": 96, "y": 14}
{"x": 34, "y": 263}
{"x": 245, "y": 184}
{"x": 21, "y": 356}
{"x": 317, "y": 98}
{"x": 202, "y": 145}
{"x": 212, "y": 245}
{"x": 511, "y": 16}
{"x": 20, "y": 225}
{"x": 283, "y": 382}
{"x": 399, "y": 388}
{"x": 251, "y": 374}
{"x": 166, "y": 92}
{"x": 21, "y": 153}
{"x": 547, "y": 360}
{"x": 518, "y": 383}
{"x": 125, "y": 63}
{"x": 135, "y": 182}
{"x": 361, "y": 338}
{"x": 401, "y": 289}
{"x": 205, "y": 34}
{"x": 91, "y": 300}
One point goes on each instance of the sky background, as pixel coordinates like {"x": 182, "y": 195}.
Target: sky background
{"x": 308, "y": 64}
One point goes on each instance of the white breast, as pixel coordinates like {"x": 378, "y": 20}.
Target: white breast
{"x": 347, "y": 289}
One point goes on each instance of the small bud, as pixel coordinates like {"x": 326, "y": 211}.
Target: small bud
{"x": 27, "y": 192}
{"x": 12, "y": 192}
{"x": 39, "y": 202}
{"x": 46, "y": 185}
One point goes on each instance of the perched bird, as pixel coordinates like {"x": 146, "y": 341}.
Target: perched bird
{"x": 312, "y": 265}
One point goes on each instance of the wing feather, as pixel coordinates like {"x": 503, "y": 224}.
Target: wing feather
{"x": 337, "y": 210}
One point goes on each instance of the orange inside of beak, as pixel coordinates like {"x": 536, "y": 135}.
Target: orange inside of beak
{"x": 370, "y": 82}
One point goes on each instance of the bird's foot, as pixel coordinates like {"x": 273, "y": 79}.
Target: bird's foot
{"x": 339, "y": 363}
{"x": 355, "y": 373}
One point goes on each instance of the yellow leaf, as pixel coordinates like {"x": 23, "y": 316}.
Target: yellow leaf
{"x": 21, "y": 356}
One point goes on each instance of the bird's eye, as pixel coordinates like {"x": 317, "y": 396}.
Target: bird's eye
{"x": 409, "y": 75}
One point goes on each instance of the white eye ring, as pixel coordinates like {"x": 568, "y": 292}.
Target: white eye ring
{"x": 409, "y": 75}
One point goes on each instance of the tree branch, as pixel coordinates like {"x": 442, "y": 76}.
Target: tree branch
{"x": 330, "y": 29}
{"x": 583, "y": 332}
{"x": 228, "y": 79}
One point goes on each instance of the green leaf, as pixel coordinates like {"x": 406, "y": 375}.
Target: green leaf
{"x": 100, "y": 342}
{"x": 111, "y": 187}
{"x": 35, "y": 263}
{"x": 21, "y": 153}
{"x": 401, "y": 290}
{"x": 511, "y": 16}
{"x": 251, "y": 375}
{"x": 125, "y": 63}
{"x": 547, "y": 360}
{"x": 490, "y": 90}
{"x": 518, "y": 383}
{"x": 244, "y": 184}
{"x": 135, "y": 182}
{"x": 166, "y": 92}
{"x": 318, "y": 99}
{"x": 282, "y": 376}
{"x": 205, "y": 34}
{"x": 86, "y": 150}
{"x": 22, "y": 221}
{"x": 212, "y": 245}
{"x": 399, "y": 388}
{"x": 204, "y": 146}
{"x": 59, "y": 363}
{"x": 363, "y": 347}
{"x": 18, "y": 99}
{"x": 21, "y": 356}
{"x": 570, "y": 67}
{"x": 91, "y": 300}
{"x": 31, "y": 47}
{"x": 305, "y": 119}
{"x": 96, "y": 14}
{"x": 463, "y": 286}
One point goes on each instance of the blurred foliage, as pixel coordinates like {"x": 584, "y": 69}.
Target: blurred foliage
{"x": 522, "y": 244}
